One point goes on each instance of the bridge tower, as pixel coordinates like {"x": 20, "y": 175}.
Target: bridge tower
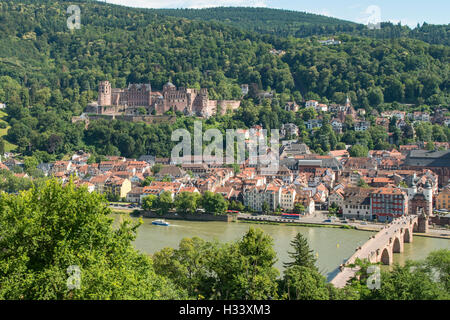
{"x": 422, "y": 226}
{"x": 428, "y": 210}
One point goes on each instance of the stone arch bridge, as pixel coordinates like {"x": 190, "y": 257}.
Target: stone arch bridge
{"x": 382, "y": 246}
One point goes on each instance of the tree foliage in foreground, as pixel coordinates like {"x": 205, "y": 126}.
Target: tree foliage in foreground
{"x": 238, "y": 270}
{"x": 45, "y": 230}
{"x": 419, "y": 280}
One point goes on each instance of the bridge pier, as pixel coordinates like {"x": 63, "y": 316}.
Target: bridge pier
{"x": 407, "y": 235}
{"x": 386, "y": 257}
{"x": 397, "y": 246}
{"x": 422, "y": 224}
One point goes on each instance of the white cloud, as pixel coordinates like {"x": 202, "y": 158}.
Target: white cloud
{"x": 323, "y": 12}
{"x": 190, "y": 3}
{"x": 371, "y": 14}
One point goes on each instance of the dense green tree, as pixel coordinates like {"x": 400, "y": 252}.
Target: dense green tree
{"x": 163, "y": 203}
{"x": 156, "y": 168}
{"x": 333, "y": 209}
{"x": 147, "y": 181}
{"x": 362, "y": 183}
{"x": 30, "y": 164}
{"x": 304, "y": 283}
{"x": 299, "y": 208}
{"x": 375, "y": 97}
{"x": 11, "y": 184}
{"x": 2, "y": 146}
{"x": 245, "y": 270}
{"x": 301, "y": 255}
{"x": 148, "y": 202}
{"x": 358, "y": 150}
{"x": 189, "y": 266}
{"x": 214, "y": 203}
{"x": 236, "y": 205}
{"x": 413, "y": 281}
{"x": 438, "y": 265}
{"x": 265, "y": 208}
{"x": 239, "y": 270}
{"x": 187, "y": 202}
{"x": 68, "y": 226}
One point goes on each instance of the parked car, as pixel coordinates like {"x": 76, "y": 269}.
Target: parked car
{"x": 327, "y": 220}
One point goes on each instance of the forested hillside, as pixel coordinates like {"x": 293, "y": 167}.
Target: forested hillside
{"x": 268, "y": 21}
{"x": 49, "y": 73}
{"x": 300, "y": 24}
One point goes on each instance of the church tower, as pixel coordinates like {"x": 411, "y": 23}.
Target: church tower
{"x": 348, "y": 102}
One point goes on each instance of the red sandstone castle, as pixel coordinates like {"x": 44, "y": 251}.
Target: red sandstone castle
{"x": 131, "y": 100}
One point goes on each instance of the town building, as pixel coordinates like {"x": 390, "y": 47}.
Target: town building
{"x": 337, "y": 125}
{"x": 388, "y": 203}
{"x": 362, "y": 125}
{"x": 330, "y": 42}
{"x": 311, "y": 104}
{"x": 305, "y": 198}
{"x": 357, "y": 203}
{"x": 294, "y": 149}
{"x": 255, "y": 197}
{"x": 443, "y": 199}
{"x": 287, "y": 198}
{"x": 291, "y": 106}
{"x": 314, "y": 124}
{"x": 336, "y": 197}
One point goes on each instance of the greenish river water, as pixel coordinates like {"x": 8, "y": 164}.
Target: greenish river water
{"x": 331, "y": 245}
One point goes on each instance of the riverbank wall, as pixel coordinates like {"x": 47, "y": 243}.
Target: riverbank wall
{"x": 440, "y": 220}
{"x": 188, "y": 217}
{"x": 291, "y": 222}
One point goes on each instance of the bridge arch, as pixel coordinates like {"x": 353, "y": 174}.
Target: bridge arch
{"x": 415, "y": 227}
{"x": 386, "y": 257}
{"x": 407, "y": 235}
{"x": 397, "y": 247}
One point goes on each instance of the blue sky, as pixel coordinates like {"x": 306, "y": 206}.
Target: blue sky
{"x": 408, "y": 12}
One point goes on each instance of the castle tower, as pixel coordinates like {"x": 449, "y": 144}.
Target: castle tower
{"x": 104, "y": 93}
{"x": 169, "y": 86}
{"x": 412, "y": 191}
{"x": 428, "y": 192}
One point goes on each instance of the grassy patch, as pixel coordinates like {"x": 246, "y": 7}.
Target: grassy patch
{"x": 120, "y": 211}
{"x": 8, "y": 145}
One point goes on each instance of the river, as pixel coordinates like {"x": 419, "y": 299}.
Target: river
{"x": 332, "y": 246}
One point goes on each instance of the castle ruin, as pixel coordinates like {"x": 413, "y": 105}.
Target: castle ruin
{"x": 136, "y": 98}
